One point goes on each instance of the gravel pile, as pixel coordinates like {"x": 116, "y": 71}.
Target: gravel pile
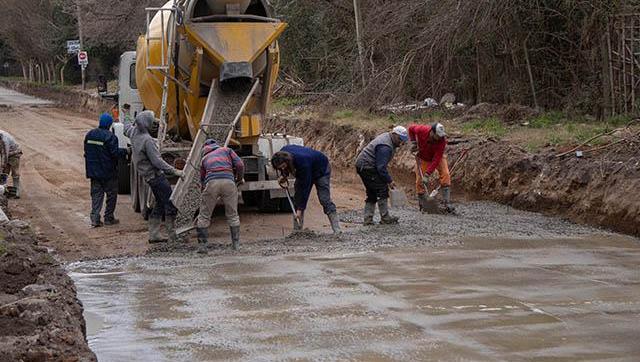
{"x": 228, "y": 103}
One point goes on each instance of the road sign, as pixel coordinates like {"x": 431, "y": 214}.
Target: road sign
{"x": 73, "y": 46}
{"x": 83, "y": 58}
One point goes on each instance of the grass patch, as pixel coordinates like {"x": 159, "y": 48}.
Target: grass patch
{"x": 547, "y": 120}
{"x": 492, "y": 127}
{"x": 284, "y": 103}
{"x": 3, "y": 248}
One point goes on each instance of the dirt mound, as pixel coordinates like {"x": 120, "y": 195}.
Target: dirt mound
{"x": 509, "y": 114}
{"x": 598, "y": 189}
{"x": 40, "y": 316}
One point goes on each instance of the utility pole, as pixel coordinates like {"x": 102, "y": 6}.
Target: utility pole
{"x": 358, "y": 16}
{"x": 84, "y": 86}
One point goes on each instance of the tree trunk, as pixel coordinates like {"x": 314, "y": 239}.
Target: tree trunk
{"x": 31, "y": 73}
{"x": 24, "y": 70}
{"x": 54, "y": 74}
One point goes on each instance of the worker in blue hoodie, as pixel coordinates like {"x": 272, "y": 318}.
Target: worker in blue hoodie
{"x": 310, "y": 167}
{"x": 101, "y": 155}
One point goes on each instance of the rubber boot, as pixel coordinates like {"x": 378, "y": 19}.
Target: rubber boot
{"x": 154, "y": 230}
{"x": 235, "y": 237}
{"x": 385, "y": 217}
{"x": 446, "y": 200}
{"x": 95, "y": 222}
{"x": 422, "y": 201}
{"x": 111, "y": 221}
{"x": 170, "y": 225}
{"x": 203, "y": 240}
{"x": 298, "y": 225}
{"x": 335, "y": 222}
{"x": 369, "y": 210}
{"x": 16, "y": 185}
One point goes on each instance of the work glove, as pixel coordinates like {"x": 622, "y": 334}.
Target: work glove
{"x": 178, "y": 173}
{"x": 392, "y": 185}
{"x": 425, "y": 179}
{"x": 414, "y": 147}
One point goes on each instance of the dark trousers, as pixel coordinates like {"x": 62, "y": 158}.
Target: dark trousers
{"x": 323, "y": 188}
{"x": 377, "y": 188}
{"x": 161, "y": 189}
{"x": 99, "y": 188}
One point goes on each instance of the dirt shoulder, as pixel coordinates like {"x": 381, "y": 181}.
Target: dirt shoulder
{"x": 40, "y": 315}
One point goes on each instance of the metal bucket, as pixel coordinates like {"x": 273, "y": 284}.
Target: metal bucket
{"x": 398, "y": 198}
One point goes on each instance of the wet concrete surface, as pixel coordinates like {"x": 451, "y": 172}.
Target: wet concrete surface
{"x": 432, "y": 288}
{"x": 10, "y": 97}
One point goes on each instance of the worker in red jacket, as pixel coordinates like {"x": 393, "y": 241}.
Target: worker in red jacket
{"x": 429, "y": 142}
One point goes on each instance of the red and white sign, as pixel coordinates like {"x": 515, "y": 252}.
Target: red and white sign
{"x": 83, "y": 58}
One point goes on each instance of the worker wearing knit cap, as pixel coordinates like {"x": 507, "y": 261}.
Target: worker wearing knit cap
{"x": 101, "y": 155}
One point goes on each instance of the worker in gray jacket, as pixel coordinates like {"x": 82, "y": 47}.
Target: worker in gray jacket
{"x": 150, "y": 165}
{"x": 10, "y": 153}
{"x": 371, "y": 166}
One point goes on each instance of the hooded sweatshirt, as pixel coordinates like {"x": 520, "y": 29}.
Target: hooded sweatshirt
{"x": 428, "y": 151}
{"x": 101, "y": 152}
{"x": 144, "y": 153}
{"x": 219, "y": 163}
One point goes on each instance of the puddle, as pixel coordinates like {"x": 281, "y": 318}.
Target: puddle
{"x": 506, "y": 303}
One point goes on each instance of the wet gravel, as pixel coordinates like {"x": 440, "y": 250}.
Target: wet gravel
{"x": 473, "y": 220}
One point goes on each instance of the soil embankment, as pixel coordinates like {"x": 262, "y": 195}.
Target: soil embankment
{"x": 40, "y": 315}
{"x": 599, "y": 188}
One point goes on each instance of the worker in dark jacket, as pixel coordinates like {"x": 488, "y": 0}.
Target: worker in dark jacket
{"x": 310, "y": 168}
{"x": 371, "y": 166}
{"x": 101, "y": 155}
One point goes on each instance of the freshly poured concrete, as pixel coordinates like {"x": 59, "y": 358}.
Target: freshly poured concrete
{"x": 490, "y": 299}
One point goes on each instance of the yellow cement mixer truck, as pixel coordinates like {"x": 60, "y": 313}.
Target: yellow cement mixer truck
{"x": 207, "y": 68}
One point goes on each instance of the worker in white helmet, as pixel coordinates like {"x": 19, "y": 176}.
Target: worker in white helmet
{"x": 371, "y": 165}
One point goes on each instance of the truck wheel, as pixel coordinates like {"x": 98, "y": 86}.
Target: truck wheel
{"x": 142, "y": 197}
{"x": 124, "y": 183}
{"x": 133, "y": 182}
{"x": 284, "y": 205}
{"x": 266, "y": 204}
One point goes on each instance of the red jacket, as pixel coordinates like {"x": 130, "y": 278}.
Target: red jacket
{"x": 431, "y": 152}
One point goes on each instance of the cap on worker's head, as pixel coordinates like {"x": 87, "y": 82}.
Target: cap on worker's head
{"x": 105, "y": 120}
{"x": 126, "y": 106}
{"x": 438, "y": 128}
{"x": 402, "y": 132}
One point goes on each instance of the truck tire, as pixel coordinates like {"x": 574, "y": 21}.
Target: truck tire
{"x": 124, "y": 183}
{"x": 135, "y": 190}
{"x": 284, "y": 205}
{"x": 143, "y": 187}
{"x": 266, "y": 204}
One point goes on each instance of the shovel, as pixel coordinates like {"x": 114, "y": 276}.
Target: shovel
{"x": 435, "y": 192}
{"x": 285, "y": 186}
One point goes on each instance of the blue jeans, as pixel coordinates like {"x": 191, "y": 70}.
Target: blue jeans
{"x": 161, "y": 189}
{"x": 323, "y": 188}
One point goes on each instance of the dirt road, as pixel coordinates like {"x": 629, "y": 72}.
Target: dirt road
{"x": 56, "y": 193}
{"x": 493, "y": 283}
